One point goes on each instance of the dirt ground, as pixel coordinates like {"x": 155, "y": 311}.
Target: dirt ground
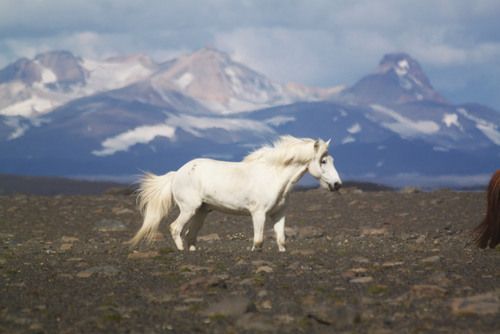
{"x": 357, "y": 262}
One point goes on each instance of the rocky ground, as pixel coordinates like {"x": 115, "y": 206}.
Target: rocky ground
{"x": 374, "y": 262}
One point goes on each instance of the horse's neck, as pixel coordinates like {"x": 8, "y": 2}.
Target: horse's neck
{"x": 290, "y": 175}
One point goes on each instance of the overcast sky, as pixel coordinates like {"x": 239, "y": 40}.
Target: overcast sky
{"x": 315, "y": 42}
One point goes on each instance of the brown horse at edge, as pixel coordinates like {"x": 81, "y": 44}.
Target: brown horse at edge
{"x": 488, "y": 232}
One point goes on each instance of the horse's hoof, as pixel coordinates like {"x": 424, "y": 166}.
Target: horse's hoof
{"x": 192, "y": 248}
{"x": 257, "y": 248}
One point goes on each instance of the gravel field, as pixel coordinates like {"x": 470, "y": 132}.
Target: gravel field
{"x": 356, "y": 262}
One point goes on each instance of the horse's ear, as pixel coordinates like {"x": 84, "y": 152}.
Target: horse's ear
{"x": 328, "y": 142}
{"x": 316, "y": 145}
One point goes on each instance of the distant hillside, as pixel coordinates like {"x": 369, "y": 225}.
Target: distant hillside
{"x": 51, "y": 186}
{"x": 42, "y": 185}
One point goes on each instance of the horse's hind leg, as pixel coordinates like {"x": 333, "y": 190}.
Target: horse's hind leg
{"x": 279, "y": 229}
{"x": 194, "y": 227}
{"x": 178, "y": 225}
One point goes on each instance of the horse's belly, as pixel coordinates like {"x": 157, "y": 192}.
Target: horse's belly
{"x": 227, "y": 203}
{"x": 229, "y": 210}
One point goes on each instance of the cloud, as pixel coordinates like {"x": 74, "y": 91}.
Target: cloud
{"x": 302, "y": 54}
{"x": 317, "y": 42}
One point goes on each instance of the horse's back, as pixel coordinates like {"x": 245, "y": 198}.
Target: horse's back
{"x": 217, "y": 183}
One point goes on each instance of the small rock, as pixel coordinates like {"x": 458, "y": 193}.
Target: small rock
{"x": 310, "y": 232}
{"x": 427, "y": 290}
{"x": 110, "y": 225}
{"x": 194, "y": 268}
{"x": 255, "y": 322}
{"x": 291, "y": 232}
{"x": 84, "y": 274}
{"x": 143, "y": 255}
{"x": 230, "y": 306}
{"x": 66, "y": 247}
{"x": 103, "y": 270}
{"x": 121, "y": 211}
{"x": 314, "y": 207}
{"x": 482, "y": 304}
{"x": 67, "y": 239}
{"x": 157, "y": 296}
{"x": 391, "y": 264}
{"x": 373, "y": 231}
{"x": 420, "y": 239}
{"x": 192, "y": 300}
{"x": 340, "y": 317}
{"x": 262, "y": 293}
{"x": 266, "y": 305}
{"x": 264, "y": 269}
{"x": 259, "y": 263}
{"x": 285, "y": 319}
{"x": 362, "y": 280}
{"x": 247, "y": 281}
{"x": 431, "y": 259}
{"x": 36, "y": 327}
{"x": 209, "y": 237}
{"x": 200, "y": 284}
{"x": 360, "y": 259}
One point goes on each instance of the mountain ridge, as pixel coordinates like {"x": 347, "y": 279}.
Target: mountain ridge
{"x": 130, "y": 109}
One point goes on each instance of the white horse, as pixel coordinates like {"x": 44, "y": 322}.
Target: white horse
{"x": 258, "y": 186}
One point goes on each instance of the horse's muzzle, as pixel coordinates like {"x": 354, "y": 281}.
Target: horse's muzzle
{"x": 336, "y": 186}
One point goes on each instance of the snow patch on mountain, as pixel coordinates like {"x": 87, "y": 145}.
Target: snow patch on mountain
{"x": 452, "y": 120}
{"x": 33, "y": 106}
{"x": 18, "y": 127}
{"x": 403, "y": 67}
{"x": 355, "y": 128}
{"x": 184, "y": 80}
{"x": 195, "y": 125}
{"x": 348, "y": 139}
{"x": 279, "y": 120}
{"x": 191, "y": 124}
{"x": 404, "y": 126}
{"x": 48, "y": 76}
{"x": 138, "y": 135}
{"x": 489, "y": 129}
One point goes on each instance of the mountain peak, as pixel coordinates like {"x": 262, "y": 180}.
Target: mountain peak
{"x": 64, "y": 67}
{"x": 399, "y": 79}
{"x": 221, "y": 84}
{"x": 207, "y": 56}
{"x": 404, "y": 66}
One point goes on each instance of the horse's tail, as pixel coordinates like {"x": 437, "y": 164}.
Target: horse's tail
{"x": 488, "y": 232}
{"x": 155, "y": 202}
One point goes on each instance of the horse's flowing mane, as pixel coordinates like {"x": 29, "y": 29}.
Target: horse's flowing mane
{"x": 285, "y": 151}
{"x": 488, "y": 232}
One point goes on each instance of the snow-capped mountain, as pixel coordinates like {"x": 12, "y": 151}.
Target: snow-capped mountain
{"x": 219, "y": 83}
{"x": 398, "y": 79}
{"x": 122, "y": 115}
{"x": 32, "y": 88}
{"x": 224, "y": 86}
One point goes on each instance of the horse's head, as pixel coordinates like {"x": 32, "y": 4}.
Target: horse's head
{"x": 322, "y": 168}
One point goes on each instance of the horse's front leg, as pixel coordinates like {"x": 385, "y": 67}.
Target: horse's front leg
{"x": 259, "y": 220}
{"x": 279, "y": 229}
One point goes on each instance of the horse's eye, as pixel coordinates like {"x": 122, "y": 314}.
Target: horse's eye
{"x": 323, "y": 161}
